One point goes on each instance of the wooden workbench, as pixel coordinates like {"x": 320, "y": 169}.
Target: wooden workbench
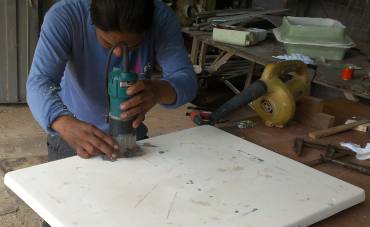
{"x": 327, "y": 74}
{"x": 281, "y": 141}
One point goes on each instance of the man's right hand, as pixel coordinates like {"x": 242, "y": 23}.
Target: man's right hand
{"x": 84, "y": 138}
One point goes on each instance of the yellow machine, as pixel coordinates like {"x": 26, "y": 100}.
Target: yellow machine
{"x": 277, "y": 106}
{"x": 272, "y": 97}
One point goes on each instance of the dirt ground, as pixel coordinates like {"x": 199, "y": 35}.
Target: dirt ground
{"x": 23, "y": 143}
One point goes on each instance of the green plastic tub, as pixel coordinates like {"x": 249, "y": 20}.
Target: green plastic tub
{"x": 307, "y": 29}
{"x": 329, "y": 53}
{"x": 306, "y": 36}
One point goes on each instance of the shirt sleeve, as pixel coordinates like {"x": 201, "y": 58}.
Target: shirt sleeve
{"x": 51, "y": 55}
{"x": 172, "y": 56}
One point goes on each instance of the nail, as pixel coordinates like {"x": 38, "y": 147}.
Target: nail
{"x": 115, "y": 147}
{"x": 114, "y": 156}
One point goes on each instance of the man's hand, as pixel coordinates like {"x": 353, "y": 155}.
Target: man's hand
{"x": 146, "y": 94}
{"x": 85, "y": 139}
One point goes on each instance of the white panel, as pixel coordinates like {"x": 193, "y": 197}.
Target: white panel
{"x": 197, "y": 177}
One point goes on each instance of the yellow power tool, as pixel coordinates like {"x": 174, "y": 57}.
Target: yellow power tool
{"x": 273, "y": 97}
{"x": 277, "y": 106}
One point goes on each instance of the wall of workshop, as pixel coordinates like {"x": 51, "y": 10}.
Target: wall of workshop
{"x": 20, "y": 23}
{"x": 269, "y": 4}
{"x": 18, "y": 37}
{"x": 355, "y": 14}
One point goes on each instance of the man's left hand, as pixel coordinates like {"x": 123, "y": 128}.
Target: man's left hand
{"x": 146, "y": 94}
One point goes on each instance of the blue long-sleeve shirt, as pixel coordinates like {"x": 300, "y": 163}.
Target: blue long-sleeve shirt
{"x": 67, "y": 73}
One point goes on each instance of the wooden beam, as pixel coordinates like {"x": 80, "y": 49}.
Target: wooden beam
{"x": 217, "y": 65}
{"x": 203, "y": 54}
{"x": 195, "y": 50}
{"x": 250, "y": 74}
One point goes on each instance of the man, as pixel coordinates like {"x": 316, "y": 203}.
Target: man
{"x": 66, "y": 84}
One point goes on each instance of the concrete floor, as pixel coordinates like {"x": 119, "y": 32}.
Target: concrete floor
{"x": 21, "y": 137}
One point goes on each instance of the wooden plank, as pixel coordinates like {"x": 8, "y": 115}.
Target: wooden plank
{"x": 195, "y": 50}
{"x": 309, "y": 112}
{"x": 322, "y": 121}
{"x": 203, "y": 54}
{"x": 337, "y": 129}
{"x": 218, "y": 57}
{"x": 310, "y": 104}
{"x": 217, "y": 65}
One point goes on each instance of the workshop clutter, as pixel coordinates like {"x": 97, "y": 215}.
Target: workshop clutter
{"x": 207, "y": 20}
{"x": 314, "y": 37}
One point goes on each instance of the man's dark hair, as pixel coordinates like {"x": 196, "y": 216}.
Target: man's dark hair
{"x": 134, "y": 16}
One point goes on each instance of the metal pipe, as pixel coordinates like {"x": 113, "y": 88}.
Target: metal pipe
{"x": 232, "y": 87}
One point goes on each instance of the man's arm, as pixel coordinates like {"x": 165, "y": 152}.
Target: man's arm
{"x": 172, "y": 56}
{"x": 53, "y": 50}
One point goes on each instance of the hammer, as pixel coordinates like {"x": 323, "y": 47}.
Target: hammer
{"x": 334, "y": 130}
{"x": 300, "y": 144}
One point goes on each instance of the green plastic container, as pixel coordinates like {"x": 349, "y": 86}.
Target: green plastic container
{"x": 307, "y": 29}
{"x": 329, "y": 53}
{"x": 314, "y": 37}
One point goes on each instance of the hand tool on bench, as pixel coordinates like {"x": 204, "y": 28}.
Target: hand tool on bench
{"x": 273, "y": 98}
{"x": 336, "y": 152}
{"x": 300, "y": 144}
{"x": 348, "y": 165}
{"x": 117, "y": 83}
{"x": 337, "y": 129}
{"x": 333, "y": 152}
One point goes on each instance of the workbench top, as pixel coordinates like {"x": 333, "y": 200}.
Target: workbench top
{"x": 197, "y": 177}
{"x": 281, "y": 141}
